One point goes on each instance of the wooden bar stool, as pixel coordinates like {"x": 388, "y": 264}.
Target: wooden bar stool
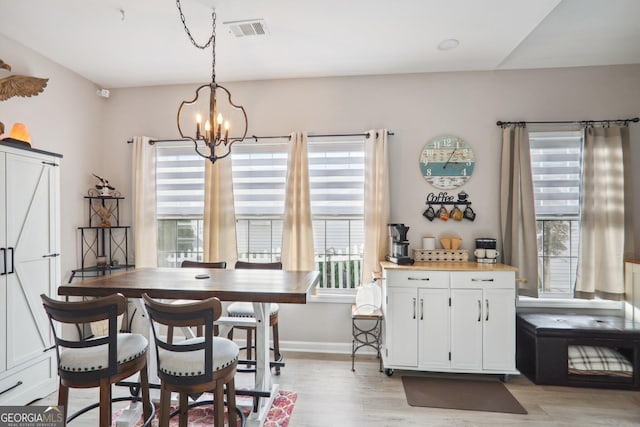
{"x": 196, "y": 264}
{"x": 245, "y": 309}
{"x": 195, "y": 365}
{"x": 101, "y": 361}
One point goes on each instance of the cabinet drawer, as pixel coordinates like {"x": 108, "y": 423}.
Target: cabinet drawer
{"x": 28, "y": 382}
{"x": 417, "y": 278}
{"x": 483, "y": 279}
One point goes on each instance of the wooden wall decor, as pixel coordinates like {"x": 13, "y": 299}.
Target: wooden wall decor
{"x": 17, "y": 85}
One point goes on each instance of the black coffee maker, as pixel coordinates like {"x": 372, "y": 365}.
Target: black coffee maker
{"x": 398, "y": 244}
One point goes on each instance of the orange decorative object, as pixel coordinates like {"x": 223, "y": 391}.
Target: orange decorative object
{"x": 20, "y": 133}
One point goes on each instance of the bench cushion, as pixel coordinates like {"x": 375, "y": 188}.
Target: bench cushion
{"x": 593, "y": 360}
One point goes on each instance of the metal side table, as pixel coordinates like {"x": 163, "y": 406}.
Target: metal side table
{"x": 366, "y": 327}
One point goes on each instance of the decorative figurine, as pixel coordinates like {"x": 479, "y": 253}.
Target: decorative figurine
{"x": 105, "y": 215}
{"x": 16, "y": 85}
{"x": 104, "y": 188}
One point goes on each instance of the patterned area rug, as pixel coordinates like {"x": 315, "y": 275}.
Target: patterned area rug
{"x": 201, "y": 416}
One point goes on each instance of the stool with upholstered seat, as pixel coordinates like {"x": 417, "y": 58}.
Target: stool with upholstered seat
{"x": 245, "y": 309}
{"x": 101, "y": 361}
{"x": 194, "y": 365}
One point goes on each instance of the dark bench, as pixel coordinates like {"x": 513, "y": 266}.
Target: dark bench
{"x": 543, "y": 340}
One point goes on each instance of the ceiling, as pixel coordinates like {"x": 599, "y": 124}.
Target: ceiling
{"x": 128, "y": 43}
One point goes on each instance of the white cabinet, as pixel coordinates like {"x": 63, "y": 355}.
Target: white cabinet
{"x": 449, "y": 321}
{"x": 417, "y": 318}
{"x": 483, "y": 321}
{"x": 29, "y": 266}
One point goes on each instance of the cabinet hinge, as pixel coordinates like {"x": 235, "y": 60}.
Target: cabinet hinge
{"x": 449, "y": 355}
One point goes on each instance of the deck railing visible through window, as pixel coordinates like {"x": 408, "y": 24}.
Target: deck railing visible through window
{"x": 338, "y": 246}
{"x": 557, "y": 256}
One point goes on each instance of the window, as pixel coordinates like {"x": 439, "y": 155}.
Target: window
{"x": 556, "y": 169}
{"x": 336, "y": 179}
{"x": 180, "y": 203}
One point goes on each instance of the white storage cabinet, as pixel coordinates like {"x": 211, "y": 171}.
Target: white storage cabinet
{"x": 29, "y": 266}
{"x": 449, "y": 321}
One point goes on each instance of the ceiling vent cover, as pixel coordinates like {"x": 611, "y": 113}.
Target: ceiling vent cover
{"x": 250, "y": 27}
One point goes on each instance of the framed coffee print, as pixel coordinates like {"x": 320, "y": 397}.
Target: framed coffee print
{"x": 447, "y": 162}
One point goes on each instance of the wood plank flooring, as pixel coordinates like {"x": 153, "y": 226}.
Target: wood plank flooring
{"x": 330, "y": 395}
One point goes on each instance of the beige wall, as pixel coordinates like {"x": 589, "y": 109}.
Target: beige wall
{"x": 92, "y": 132}
{"x": 417, "y": 108}
{"x": 66, "y": 118}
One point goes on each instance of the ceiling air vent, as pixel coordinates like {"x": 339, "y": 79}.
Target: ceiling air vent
{"x": 251, "y": 27}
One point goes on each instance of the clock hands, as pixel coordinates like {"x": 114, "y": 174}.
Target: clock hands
{"x": 445, "y": 165}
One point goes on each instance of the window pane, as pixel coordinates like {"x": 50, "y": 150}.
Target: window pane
{"x": 556, "y": 168}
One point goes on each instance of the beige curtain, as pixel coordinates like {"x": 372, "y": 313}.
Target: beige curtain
{"x": 602, "y": 225}
{"x": 220, "y": 242}
{"x": 297, "y": 233}
{"x": 377, "y": 207}
{"x": 145, "y": 228}
{"x": 517, "y": 209}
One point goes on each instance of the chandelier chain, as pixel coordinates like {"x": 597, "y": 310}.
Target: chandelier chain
{"x": 210, "y": 42}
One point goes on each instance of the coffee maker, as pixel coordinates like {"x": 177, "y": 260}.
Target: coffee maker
{"x": 398, "y": 244}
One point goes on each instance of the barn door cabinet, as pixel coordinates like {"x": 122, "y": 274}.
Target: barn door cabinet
{"x": 449, "y": 317}
{"x": 29, "y": 266}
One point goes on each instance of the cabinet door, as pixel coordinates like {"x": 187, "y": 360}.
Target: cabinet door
{"x": 433, "y": 328}
{"x": 466, "y": 329}
{"x": 402, "y": 327}
{"x": 3, "y": 266}
{"x": 499, "y": 329}
{"x": 31, "y": 231}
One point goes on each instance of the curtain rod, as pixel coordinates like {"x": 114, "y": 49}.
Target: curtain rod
{"x": 256, "y": 138}
{"x": 624, "y": 122}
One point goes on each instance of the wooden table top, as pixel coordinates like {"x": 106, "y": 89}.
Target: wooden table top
{"x": 448, "y": 266}
{"x": 273, "y": 286}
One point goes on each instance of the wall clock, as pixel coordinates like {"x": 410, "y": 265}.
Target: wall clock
{"x": 447, "y": 162}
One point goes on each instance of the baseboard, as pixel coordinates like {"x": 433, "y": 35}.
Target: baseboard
{"x": 317, "y": 347}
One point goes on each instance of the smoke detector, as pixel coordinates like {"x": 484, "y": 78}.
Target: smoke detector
{"x": 249, "y": 27}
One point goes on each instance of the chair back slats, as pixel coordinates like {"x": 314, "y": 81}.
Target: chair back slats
{"x": 258, "y": 265}
{"x": 75, "y": 312}
{"x": 199, "y": 313}
{"x": 198, "y": 264}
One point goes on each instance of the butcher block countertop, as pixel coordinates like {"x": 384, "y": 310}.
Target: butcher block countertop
{"x": 448, "y": 266}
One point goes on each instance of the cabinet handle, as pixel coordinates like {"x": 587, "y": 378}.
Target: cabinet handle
{"x": 19, "y": 383}
{"x": 487, "y": 304}
{"x": 421, "y": 309}
{"x": 50, "y": 255}
{"x": 4, "y": 260}
{"x": 479, "y": 311}
{"x": 13, "y": 261}
{"x": 482, "y": 280}
{"x": 426, "y": 279}
{"x": 414, "y": 308}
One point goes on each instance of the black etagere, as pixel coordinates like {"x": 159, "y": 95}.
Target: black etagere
{"x": 104, "y": 242}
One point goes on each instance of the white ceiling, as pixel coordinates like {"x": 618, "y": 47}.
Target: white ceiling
{"x": 314, "y": 38}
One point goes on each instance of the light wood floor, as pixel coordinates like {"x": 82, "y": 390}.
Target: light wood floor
{"x": 330, "y": 395}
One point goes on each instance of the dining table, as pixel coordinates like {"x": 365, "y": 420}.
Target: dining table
{"x": 260, "y": 287}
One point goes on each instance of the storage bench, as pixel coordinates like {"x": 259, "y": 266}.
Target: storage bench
{"x": 542, "y": 349}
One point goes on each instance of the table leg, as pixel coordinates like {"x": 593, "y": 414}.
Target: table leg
{"x": 263, "y": 368}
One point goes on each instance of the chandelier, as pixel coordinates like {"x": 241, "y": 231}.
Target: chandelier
{"x": 215, "y": 136}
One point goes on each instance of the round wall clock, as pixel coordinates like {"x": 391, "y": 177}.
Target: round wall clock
{"x": 447, "y": 162}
